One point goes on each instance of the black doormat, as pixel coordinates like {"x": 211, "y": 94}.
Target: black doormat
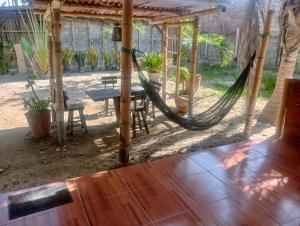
{"x": 34, "y": 201}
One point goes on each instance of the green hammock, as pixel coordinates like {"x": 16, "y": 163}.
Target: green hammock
{"x": 206, "y": 119}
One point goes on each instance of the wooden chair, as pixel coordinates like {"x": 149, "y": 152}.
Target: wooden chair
{"x": 138, "y": 111}
{"x": 108, "y": 81}
{"x": 70, "y": 108}
{"x": 157, "y": 87}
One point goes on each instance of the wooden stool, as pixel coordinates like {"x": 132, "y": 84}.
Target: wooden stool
{"x": 75, "y": 107}
{"x": 138, "y": 111}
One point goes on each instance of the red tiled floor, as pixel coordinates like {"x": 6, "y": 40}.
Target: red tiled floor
{"x": 177, "y": 167}
{"x": 247, "y": 183}
{"x": 141, "y": 175}
{"x": 100, "y": 185}
{"x": 163, "y": 200}
{"x": 121, "y": 210}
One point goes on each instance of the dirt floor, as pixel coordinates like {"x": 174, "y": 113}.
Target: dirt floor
{"x": 25, "y": 161}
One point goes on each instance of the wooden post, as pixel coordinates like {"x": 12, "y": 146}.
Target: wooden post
{"x": 51, "y": 70}
{"x": 237, "y": 38}
{"x": 282, "y": 111}
{"x": 58, "y": 73}
{"x": 126, "y": 69}
{"x": 193, "y": 66}
{"x": 258, "y": 73}
{"x": 165, "y": 59}
{"x": 178, "y": 49}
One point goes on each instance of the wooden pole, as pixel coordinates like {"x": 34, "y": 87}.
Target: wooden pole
{"x": 258, "y": 73}
{"x": 193, "y": 66}
{"x": 237, "y": 38}
{"x": 126, "y": 70}
{"x": 165, "y": 59}
{"x": 51, "y": 70}
{"x": 58, "y": 74}
{"x": 178, "y": 49}
{"x": 282, "y": 111}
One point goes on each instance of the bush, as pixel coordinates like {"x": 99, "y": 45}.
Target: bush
{"x": 67, "y": 55}
{"x": 79, "y": 58}
{"x": 107, "y": 59}
{"x": 3, "y": 67}
{"x": 152, "y": 63}
{"x": 116, "y": 59}
{"x": 269, "y": 82}
{"x": 92, "y": 56}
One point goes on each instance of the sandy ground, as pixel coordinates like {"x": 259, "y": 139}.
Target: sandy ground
{"x": 25, "y": 161}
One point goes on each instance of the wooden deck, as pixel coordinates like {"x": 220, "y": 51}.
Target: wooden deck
{"x": 248, "y": 183}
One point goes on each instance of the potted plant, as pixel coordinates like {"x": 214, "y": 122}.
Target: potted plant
{"x": 181, "y": 100}
{"x": 116, "y": 59}
{"x": 38, "y": 114}
{"x": 66, "y": 57}
{"x": 196, "y": 84}
{"x": 92, "y": 56}
{"x": 152, "y": 63}
{"x": 79, "y": 58}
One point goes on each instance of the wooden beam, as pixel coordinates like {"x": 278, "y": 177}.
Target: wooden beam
{"x": 56, "y": 23}
{"x": 67, "y": 6}
{"x": 258, "y": 73}
{"x": 98, "y": 16}
{"x": 178, "y": 63}
{"x": 165, "y": 59}
{"x": 179, "y": 24}
{"x": 126, "y": 70}
{"x": 282, "y": 111}
{"x": 193, "y": 66}
{"x": 207, "y": 12}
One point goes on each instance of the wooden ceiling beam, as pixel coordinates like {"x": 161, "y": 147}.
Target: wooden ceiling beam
{"x": 98, "y": 16}
{"x": 75, "y": 6}
{"x": 207, "y": 12}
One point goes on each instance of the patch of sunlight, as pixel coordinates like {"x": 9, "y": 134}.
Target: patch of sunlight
{"x": 234, "y": 160}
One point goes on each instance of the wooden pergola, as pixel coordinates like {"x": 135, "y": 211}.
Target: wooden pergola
{"x": 163, "y": 12}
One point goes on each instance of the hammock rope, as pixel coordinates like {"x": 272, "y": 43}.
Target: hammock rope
{"x": 205, "y": 119}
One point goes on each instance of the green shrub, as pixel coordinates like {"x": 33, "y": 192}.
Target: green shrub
{"x": 92, "y": 56}
{"x": 34, "y": 104}
{"x": 66, "y": 57}
{"x": 152, "y": 63}
{"x": 79, "y": 58}
{"x": 116, "y": 59}
{"x": 107, "y": 59}
{"x": 269, "y": 82}
{"x": 3, "y": 67}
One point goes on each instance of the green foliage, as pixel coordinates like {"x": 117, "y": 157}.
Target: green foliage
{"x": 116, "y": 59}
{"x": 152, "y": 62}
{"x": 66, "y": 57}
{"x": 217, "y": 41}
{"x": 107, "y": 58}
{"x": 35, "y": 47}
{"x": 269, "y": 82}
{"x": 139, "y": 26}
{"x": 92, "y": 56}
{"x": 34, "y": 104}
{"x": 79, "y": 58}
{"x": 184, "y": 74}
{"x": 3, "y": 67}
{"x": 112, "y": 59}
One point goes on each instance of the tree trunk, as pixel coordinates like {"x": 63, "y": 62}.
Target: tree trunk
{"x": 286, "y": 69}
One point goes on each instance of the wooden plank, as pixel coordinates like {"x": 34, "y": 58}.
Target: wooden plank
{"x": 20, "y": 59}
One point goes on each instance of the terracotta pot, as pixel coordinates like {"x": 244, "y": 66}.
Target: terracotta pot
{"x": 40, "y": 124}
{"x": 182, "y": 104}
{"x": 197, "y": 82}
{"x": 154, "y": 76}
